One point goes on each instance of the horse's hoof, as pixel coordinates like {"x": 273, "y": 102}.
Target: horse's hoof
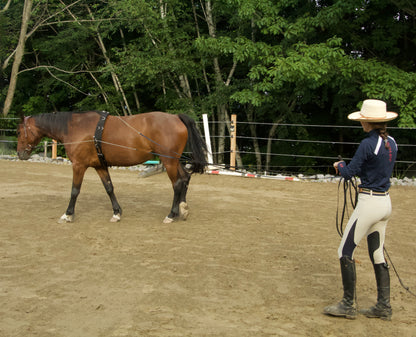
{"x": 115, "y": 218}
{"x": 65, "y": 218}
{"x": 168, "y": 220}
{"x": 183, "y": 210}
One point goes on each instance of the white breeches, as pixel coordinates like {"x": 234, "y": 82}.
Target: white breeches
{"x": 369, "y": 219}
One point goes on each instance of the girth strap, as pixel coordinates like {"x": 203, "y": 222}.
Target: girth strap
{"x": 98, "y": 137}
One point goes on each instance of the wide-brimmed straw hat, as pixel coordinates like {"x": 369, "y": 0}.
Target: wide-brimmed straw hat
{"x": 373, "y": 111}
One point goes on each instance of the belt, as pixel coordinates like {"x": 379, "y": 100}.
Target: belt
{"x": 371, "y": 192}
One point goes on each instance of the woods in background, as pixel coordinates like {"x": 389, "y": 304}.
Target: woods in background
{"x": 267, "y": 61}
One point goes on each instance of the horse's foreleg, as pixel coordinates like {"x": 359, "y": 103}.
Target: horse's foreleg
{"x": 78, "y": 176}
{"x": 108, "y": 185}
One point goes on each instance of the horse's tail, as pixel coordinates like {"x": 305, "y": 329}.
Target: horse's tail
{"x": 196, "y": 145}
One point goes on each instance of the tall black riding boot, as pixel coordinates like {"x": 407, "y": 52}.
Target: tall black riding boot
{"x": 346, "y": 307}
{"x": 382, "y": 309}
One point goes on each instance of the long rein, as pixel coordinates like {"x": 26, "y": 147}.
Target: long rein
{"x": 175, "y": 155}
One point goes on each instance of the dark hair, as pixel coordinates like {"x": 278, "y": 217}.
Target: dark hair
{"x": 381, "y": 129}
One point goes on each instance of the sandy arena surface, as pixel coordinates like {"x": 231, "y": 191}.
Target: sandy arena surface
{"x": 256, "y": 257}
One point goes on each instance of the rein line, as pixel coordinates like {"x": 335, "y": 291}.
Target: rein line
{"x": 178, "y": 156}
{"x": 149, "y": 139}
{"x": 100, "y": 141}
{"x": 112, "y": 144}
{"x": 349, "y": 187}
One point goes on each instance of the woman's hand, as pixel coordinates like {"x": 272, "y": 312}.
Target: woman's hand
{"x": 336, "y": 166}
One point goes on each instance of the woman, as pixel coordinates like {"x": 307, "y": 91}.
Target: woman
{"x": 373, "y": 163}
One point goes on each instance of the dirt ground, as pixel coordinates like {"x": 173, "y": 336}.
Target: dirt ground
{"x": 256, "y": 257}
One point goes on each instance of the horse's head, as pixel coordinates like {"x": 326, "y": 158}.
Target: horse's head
{"x": 27, "y": 138}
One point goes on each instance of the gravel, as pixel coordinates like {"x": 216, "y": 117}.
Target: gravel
{"x": 147, "y": 170}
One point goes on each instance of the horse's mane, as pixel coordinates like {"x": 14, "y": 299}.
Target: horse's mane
{"x": 56, "y": 121}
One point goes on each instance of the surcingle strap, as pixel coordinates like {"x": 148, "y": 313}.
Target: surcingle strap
{"x": 98, "y": 137}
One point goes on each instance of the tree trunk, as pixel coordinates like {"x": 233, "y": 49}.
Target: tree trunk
{"x": 133, "y": 87}
{"x": 219, "y": 81}
{"x": 6, "y": 6}
{"x": 207, "y": 84}
{"x": 252, "y": 126}
{"x": 27, "y": 8}
{"x": 269, "y": 143}
{"x": 250, "y": 116}
{"x": 221, "y": 108}
{"x": 286, "y": 110}
{"x": 183, "y": 78}
{"x": 117, "y": 84}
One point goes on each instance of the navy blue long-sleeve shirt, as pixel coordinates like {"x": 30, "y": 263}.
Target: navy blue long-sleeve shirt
{"x": 372, "y": 162}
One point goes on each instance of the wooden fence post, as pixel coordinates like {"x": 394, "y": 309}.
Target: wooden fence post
{"x": 54, "y": 149}
{"x": 233, "y": 131}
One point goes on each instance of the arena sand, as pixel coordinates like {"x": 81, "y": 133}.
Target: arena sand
{"x": 255, "y": 258}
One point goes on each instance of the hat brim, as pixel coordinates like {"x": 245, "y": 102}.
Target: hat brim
{"x": 357, "y": 116}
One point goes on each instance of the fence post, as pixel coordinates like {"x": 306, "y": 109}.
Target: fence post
{"x": 45, "y": 149}
{"x": 54, "y": 149}
{"x": 207, "y": 138}
{"x": 233, "y": 131}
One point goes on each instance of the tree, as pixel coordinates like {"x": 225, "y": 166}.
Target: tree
{"x": 42, "y": 16}
{"x": 267, "y": 61}
{"x": 18, "y": 54}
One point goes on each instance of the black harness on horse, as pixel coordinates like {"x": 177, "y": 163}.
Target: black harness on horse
{"x": 98, "y": 137}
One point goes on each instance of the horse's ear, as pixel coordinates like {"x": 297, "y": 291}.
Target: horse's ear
{"x": 22, "y": 117}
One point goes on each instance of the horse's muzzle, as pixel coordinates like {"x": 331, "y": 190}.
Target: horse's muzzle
{"x": 23, "y": 155}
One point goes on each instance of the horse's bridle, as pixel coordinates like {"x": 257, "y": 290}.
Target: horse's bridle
{"x": 29, "y": 147}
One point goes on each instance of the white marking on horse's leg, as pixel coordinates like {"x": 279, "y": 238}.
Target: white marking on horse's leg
{"x": 115, "y": 218}
{"x": 183, "y": 210}
{"x": 168, "y": 220}
{"x": 65, "y": 218}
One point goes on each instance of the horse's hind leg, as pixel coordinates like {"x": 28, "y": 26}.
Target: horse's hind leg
{"x": 183, "y": 206}
{"x": 108, "y": 185}
{"x": 180, "y": 180}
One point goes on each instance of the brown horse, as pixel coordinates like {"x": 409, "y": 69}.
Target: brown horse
{"x": 125, "y": 141}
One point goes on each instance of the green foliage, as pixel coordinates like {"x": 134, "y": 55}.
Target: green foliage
{"x": 286, "y": 60}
